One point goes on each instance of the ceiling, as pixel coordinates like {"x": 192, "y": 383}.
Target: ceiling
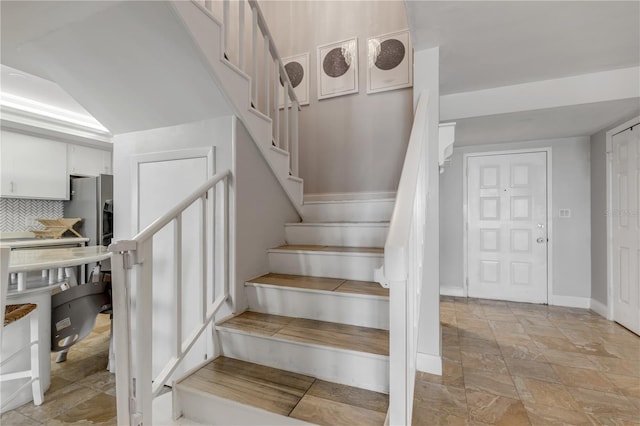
{"x": 489, "y": 44}
{"x": 483, "y": 44}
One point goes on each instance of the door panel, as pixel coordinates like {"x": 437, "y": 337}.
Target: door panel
{"x": 507, "y": 227}
{"x": 626, "y": 228}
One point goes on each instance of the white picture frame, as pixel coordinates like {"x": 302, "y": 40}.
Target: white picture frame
{"x": 338, "y": 68}
{"x": 297, "y": 74}
{"x": 389, "y": 62}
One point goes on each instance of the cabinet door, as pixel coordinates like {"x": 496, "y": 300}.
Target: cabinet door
{"x": 85, "y": 161}
{"x": 33, "y": 167}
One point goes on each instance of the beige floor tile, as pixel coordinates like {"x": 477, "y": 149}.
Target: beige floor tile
{"x": 541, "y": 393}
{"x": 542, "y": 415}
{"x": 496, "y": 410}
{"x": 447, "y": 399}
{"x": 628, "y": 385}
{"x": 571, "y": 359}
{"x": 14, "y": 418}
{"x": 532, "y": 369}
{"x": 616, "y": 365}
{"x": 489, "y": 382}
{"x": 99, "y": 409}
{"x": 584, "y": 378}
{"x": 452, "y": 375}
{"x": 482, "y": 361}
{"x": 507, "y": 327}
{"x": 472, "y": 344}
{"x": 528, "y": 351}
{"x": 605, "y": 408}
{"x": 423, "y": 416}
{"x": 62, "y": 400}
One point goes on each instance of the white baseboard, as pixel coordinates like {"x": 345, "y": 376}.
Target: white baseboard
{"x": 570, "y": 301}
{"x": 451, "y": 291}
{"x": 342, "y": 196}
{"x": 599, "y": 308}
{"x": 428, "y": 363}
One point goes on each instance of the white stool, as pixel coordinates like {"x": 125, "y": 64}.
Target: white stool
{"x": 13, "y": 314}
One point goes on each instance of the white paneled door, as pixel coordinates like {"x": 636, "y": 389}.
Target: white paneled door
{"x": 626, "y": 228}
{"x": 507, "y": 227}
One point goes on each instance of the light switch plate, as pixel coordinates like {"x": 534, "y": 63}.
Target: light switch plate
{"x": 565, "y": 213}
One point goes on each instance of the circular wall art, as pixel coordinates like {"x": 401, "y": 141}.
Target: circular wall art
{"x": 295, "y": 71}
{"x": 390, "y": 62}
{"x": 391, "y": 54}
{"x": 335, "y": 63}
{"x": 338, "y": 68}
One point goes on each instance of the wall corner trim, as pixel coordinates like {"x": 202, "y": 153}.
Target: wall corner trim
{"x": 599, "y": 308}
{"x": 428, "y": 363}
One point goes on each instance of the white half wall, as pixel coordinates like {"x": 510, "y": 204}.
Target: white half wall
{"x": 427, "y": 77}
{"x": 262, "y": 209}
{"x": 571, "y": 239}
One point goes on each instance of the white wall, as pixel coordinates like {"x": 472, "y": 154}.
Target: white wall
{"x": 262, "y": 210}
{"x": 352, "y": 143}
{"x": 571, "y": 240}
{"x": 215, "y": 132}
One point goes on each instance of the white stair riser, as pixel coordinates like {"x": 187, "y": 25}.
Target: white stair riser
{"x": 209, "y": 409}
{"x": 350, "y": 368}
{"x": 345, "y": 308}
{"x": 347, "y": 266}
{"x": 348, "y": 211}
{"x": 336, "y": 234}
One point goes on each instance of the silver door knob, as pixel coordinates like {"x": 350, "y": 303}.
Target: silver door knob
{"x": 540, "y": 240}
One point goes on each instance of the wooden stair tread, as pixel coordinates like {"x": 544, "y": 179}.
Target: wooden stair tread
{"x": 324, "y": 284}
{"x": 336, "y": 249}
{"x": 289, "y": 394}
{"x": 336, "y": 335}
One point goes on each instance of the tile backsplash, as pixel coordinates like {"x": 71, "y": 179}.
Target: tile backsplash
{"x": 18, "y": 214}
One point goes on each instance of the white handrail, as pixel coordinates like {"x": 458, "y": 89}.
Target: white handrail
{"x": 132, "y": 272}
{"x": 402, "y": 272}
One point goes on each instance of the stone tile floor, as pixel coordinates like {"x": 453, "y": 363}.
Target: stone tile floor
{"x": 504, "y": 363}
{"x": 82, "y": 391}
{"x": 519, "y": 364}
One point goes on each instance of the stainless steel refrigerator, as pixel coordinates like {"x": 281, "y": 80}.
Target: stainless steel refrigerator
{"x": 92, "y": 200}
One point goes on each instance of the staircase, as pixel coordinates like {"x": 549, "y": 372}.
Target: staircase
{"x": 314, "y": 344}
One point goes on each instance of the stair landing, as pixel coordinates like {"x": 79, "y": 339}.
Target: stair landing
{"x": 289, "y": 394}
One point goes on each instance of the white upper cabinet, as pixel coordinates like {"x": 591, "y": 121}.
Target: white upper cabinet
{"x": 33, "y": 167}
{"x": 85, "y": 161}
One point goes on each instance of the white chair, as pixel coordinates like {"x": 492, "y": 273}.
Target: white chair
{"x": 12, "y": 315}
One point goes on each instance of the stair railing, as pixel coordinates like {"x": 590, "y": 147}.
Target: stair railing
{"x": 132, "y": 290}
{"x": 258, "y": 57}
{"x": 402, "y": 271}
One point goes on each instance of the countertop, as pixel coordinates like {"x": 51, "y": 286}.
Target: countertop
{"x": 41, "y": 242}
{"x": 49, "y": 258}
